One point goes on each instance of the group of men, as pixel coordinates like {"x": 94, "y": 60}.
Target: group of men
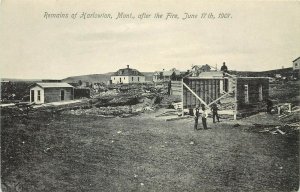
{"x": 204, "y": 115}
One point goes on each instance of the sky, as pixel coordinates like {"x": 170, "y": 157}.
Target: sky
{"x": 258, "y": 36}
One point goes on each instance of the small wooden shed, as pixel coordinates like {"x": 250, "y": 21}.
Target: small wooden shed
{"x": 50, "y": 92}
{"x": 234, "y": 95}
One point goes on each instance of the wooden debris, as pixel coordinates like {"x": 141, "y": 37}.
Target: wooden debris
{"x": 167, "y": 113}
{"x": 263, "y": 131}
{"x": 178, "y": 118}
{"x": 281, "y": 132}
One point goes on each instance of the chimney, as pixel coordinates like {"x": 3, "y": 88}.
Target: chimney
{"x": 127, "y": 66}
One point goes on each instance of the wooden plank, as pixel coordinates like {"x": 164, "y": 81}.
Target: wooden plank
{"x": 178, "y": 118}
{"x": 218, "y": 89}
{"x": 192, "y": 92}
{"x": 226, "y": 94}
{"x": 213, "y": 89}
{"x": 194, "y": 98}
{"x": 201, "y": 88}
{"x": 182, "y": 97}
{"x": 207, "y": 91}
{"x": 235, "y": 100}
{"x": 198, "y": 91}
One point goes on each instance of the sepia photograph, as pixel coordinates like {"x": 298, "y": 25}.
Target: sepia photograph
{"x": 162, "y": 95}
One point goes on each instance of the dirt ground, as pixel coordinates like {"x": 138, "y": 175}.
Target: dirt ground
{"x": 144, "y": 153}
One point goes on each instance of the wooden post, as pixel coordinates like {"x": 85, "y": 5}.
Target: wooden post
{"x": 182, "y": 97}
{"x": 235, "y": 100}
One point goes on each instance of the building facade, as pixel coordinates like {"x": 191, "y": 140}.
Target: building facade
{"x": 127, "y": 75}
{"x": 296, "y": 64}
{"x": 50, "y": 92}
{"x": 161, "y": 76}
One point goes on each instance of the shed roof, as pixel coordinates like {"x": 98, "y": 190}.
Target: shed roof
{"x": 52, "y": 85}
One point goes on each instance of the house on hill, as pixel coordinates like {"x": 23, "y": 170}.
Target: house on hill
{"x": 296, "y": 64}
{"x": 127, "y": 75}
{"x": 50, "y": 92}
{"x": 296, "y": 68}
{"x": 197, "y": 69}
{"x": 163, "y": 75}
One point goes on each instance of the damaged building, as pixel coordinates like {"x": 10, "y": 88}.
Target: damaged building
{"x": 234, "y": 95}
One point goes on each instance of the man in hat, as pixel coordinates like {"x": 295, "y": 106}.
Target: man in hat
{"x": 204, "y": 116}
{"x": 196, "y": 114}
{"x": 224, "y": 68}
{"x": 214, "y": 109}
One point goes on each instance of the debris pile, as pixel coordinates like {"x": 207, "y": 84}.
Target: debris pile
{"x": 101, "y": 111}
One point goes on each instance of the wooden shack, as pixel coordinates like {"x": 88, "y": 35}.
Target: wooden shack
{"x": 50, "y": 92}
{"x": 234, "y": 95}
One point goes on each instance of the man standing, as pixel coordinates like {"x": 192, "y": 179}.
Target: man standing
{"x": 224, "y": 68}
{"x": 196, "y": 113}
{"x": 204, "y": 115}
{"x": 214, "y": 110}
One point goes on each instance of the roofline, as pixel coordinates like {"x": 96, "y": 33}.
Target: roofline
{"x": 34, "y": 85}
{"x": 37, "y": 84}
{"x": 227, "y": 77}
{"x": 128, "y": 75}
{"x": 296, "y": 59}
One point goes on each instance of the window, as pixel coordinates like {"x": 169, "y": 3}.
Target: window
{"x": 138, "y": 78}
{"x": 260, "y": 92}
{"x": 124, "y": 77}
{"x": 38, "y": 95}
{"x": 132, "y": 78}
{"x": 246, "y": 93}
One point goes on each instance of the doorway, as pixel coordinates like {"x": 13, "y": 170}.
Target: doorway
{"x": 62, "y": 95}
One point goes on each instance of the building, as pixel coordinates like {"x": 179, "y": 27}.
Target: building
{"x": 197, "y": 69}
{"x": 296, "y": 64}
{"x": 50, "y": 92}
{"x": 296, "y": 68}
{"x": 127, "y": 75}
{"x": 163, "y": 75}
{"x": 234, "y": 95}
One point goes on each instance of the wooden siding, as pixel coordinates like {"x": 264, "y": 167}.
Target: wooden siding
{"x": 206, "y": 89}
{"x": 176, "y": 88}
{"x": 53, "y": 94}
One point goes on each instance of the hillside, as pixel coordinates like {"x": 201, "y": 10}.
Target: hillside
{"x": 96, "y": 78}
{"x": 269, "y": 73}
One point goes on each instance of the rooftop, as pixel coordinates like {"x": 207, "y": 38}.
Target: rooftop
{"x": 50, "y": 85}
{"x": 127, "y": 72}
